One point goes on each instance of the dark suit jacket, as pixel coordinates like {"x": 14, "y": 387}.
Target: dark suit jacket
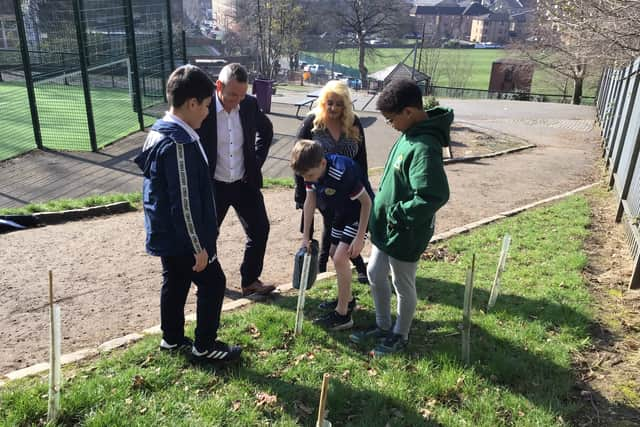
{"x": 257, "y": 131}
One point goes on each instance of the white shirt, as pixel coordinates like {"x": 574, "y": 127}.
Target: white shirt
{"x": 172, "y": 118}
{"x": 230, "y": 158}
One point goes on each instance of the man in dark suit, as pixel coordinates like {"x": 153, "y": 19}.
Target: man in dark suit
{"x": 237, "y": 135}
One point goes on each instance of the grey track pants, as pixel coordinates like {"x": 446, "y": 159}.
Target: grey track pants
{"x": 403, "y": 279}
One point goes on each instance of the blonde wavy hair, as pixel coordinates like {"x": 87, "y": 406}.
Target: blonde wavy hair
{"x": 341, "y": 89}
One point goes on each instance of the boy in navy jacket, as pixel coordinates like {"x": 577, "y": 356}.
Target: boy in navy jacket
{"x": 180, "y": 218}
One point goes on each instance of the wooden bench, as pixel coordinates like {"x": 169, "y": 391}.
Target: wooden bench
{"x": 307, "y": 101}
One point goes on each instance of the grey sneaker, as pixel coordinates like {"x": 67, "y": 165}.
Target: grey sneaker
{"x": 392, "y": 344}
{"x": 374, "y": 333}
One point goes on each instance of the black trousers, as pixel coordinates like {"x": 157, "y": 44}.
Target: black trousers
{"x": 177, "y": 275}
{"x": 248, "y": 203}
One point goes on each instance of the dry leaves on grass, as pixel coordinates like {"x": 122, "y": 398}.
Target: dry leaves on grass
{"x": 305, "y": 356}
{"x": 253, "y": 331}
{"x": 264, "y": 399}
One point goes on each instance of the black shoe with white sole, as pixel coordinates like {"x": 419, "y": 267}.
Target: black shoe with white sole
{"x": 219, "y": 352}
{"x": 332, "y": 304}
{"x": 184, "y": 344}
{"x": 334, "y": 321}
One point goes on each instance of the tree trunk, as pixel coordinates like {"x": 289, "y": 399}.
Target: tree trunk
{"x": 577, "y": 91}
{"x": 363, "y": 68}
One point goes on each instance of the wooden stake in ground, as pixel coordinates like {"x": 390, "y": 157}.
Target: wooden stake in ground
{"x": 304, "y": 282}
{"x": 495, "y": 288}
{"x": 324, "y": 391}
{"x": 466, "y": 315}
{"x": 55, "y": 373}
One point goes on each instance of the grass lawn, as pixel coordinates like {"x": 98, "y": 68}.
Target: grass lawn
{"x": 521, "y": 352}
{"x": 478, "y": 61}
{"x": 63, "y": 119}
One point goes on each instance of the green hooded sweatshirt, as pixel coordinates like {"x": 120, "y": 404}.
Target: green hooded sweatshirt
{"x": 413, "y": 187}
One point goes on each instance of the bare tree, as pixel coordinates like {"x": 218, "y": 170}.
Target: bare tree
{"x": 575, "y": 36}
{"x": 276, "y": 26}
{"x": 458, "y": 68}
{"x": 366, "y": 18}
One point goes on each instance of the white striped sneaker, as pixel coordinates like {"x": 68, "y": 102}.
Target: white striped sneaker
{"x": 219, "y": 352}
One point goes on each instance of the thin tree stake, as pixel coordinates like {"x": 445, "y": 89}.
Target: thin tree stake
{"x": 466, "y": 315}
{"x": 495, "y": 288}
{"x": 304, "y": 281}
{"x": 55, "y": 373}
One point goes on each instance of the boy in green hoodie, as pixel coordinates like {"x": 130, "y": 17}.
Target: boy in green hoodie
{"x": 413, "y": 187}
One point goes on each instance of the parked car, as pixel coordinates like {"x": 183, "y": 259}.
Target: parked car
{"x": 317, "y": 69}
{"x": 353, "y": 82}
{"x": 379, "y": 43}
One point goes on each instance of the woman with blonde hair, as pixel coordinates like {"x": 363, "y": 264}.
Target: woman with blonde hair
{"x": 333, "y": 124}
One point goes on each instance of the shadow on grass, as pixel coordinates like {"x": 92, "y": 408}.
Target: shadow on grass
{"x": 344, "y": 403}
{"x": 529, "y": 372}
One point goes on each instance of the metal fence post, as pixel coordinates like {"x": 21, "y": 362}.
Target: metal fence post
{"x": 172, "y": 61}
{"x": 628, "y": 102}
{"x": 163, "y": 71}
{"x": 184, "y": 46}
{"x": 85, "y": 75}
{"x": 28, "y": 78}
{"x": 131, "y": 45}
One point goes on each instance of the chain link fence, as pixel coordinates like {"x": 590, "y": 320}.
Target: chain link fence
{"x": 80, "y": 74}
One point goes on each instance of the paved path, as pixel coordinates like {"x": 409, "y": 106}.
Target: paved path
{"x": 45, "y": 175}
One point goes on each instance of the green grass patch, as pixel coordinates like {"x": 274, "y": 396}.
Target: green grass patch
{"x": 520, "y": 373}
{"x": 99, "y": 200}
{"x": 66, "y": 204}
{"x": 475, "y": 61}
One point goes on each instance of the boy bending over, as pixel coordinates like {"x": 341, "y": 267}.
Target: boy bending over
{"x": 335, "y": 182}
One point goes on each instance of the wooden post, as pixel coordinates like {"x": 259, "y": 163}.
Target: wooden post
{"x": 495, "y": 288}
{"x": 466, "y": 315}
{"x": 321, "y": 422}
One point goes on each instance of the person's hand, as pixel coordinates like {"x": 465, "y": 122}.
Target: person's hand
{"x": 202, "y": 259}
{"x": 356, "y": 247}
{"x": 306, "y": 244}
{"x": 299, "y": 205}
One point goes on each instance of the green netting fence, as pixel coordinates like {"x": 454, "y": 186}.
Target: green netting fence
{"x": 80, "y": 74}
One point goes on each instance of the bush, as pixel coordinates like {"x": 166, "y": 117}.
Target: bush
{"x": 430, "y": 102}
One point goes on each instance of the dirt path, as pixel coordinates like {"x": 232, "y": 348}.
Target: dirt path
{"x": 108, "y": 287}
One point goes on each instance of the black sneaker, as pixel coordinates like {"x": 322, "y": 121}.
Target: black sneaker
{"x": 331, "y": 305}
{"x": 392, "y": 344}
{"x": 361, "y": 269}
{"x": 334, "y": 321}
{"x": 374, "y": 333}
{"x": 362, "y": 278}
{"x": 219, "y": 352}
{"x": 183, "y": 345}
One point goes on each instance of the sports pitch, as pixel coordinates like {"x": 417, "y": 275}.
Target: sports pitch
{"x": 63, "y": 117}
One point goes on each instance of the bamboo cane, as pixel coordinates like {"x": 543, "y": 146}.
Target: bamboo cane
{"x": 323, "y": 401}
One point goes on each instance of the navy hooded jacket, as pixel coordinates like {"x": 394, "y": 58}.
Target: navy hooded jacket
{"x": 177, "y": 193}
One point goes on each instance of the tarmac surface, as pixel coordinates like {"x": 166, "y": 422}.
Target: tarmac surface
{"x": 40, "y": 175}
